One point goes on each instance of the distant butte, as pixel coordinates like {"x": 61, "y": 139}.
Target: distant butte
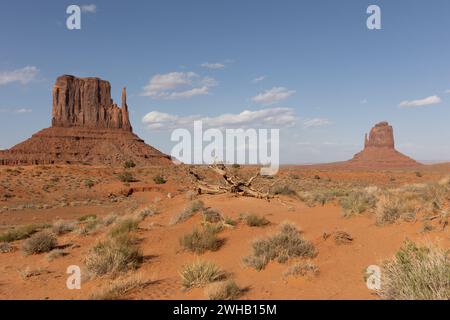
{"x": 87, "y": 127}
{"x": 379, "y": 150}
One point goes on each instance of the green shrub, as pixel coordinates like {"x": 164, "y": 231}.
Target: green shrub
{"x": 202, "y": 239}
{"x": 417, "y": 273}
{"x": 21, "y": 233}
{"x": 89, "y": 183}
{"x": 286, "y": 244}
{"x": 87, "y": 217}
{"x": 159, "y": 180}
{"x": 212, "y": 215}
{"x": 126, "y": 177}
{"x": 283, "y": 190}
{"x": 129, "y": 164}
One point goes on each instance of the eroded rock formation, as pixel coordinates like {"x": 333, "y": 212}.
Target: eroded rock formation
{"x": 86, "y": 102}
{"x": 87, "y": 127}
{"x": 379, "y": 150}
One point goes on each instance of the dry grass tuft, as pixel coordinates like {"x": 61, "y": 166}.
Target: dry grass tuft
{"x": 200, "y": 273}
{"x": 302, "y": 269}
{"x": 357, "y": 202}
{"x": 224, "y": 290}
{"x": 118, "y": 288}
{"x": 188, "y": 212}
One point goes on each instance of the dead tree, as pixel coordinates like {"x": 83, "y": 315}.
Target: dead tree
{"x": 233, "y": 184}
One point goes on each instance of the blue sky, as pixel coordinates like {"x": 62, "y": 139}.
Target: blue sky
{"x": 311, "y": 68}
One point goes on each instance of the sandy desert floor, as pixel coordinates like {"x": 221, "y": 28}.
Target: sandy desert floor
{"x": 43, "y": 195}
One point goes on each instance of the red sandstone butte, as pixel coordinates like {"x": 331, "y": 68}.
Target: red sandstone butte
{"x": 87, "y": 127}
{"x": 379, "y": 150}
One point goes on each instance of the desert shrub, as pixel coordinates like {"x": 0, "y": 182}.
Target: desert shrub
{"x": 229, "y": 221}
{"x": 357, "y": 202}
{"x": 147, "y": 212}
{"x": 301, "y": 269}
{"x": 286, "y": 244}
{"x": 200, "y": 273}
{"x": 61, "y": 227}
{"x": 109, "y": 219}
{"x": 89, "y": 183}
{"x": 236, "y": 166}
{"x": 212, "y": 215}
{"x": 113, "y": 255}
{"x": 419, "y": 174}
{"x": 391, "y": 207}
{"x": 43, "y": 241}
{"x": 416, "y": 273}
{"x": 89, "y": 227}
{"x": 321, "y": 196}
{"x": 118, "y": 288}
{"x": 21, "y": 233}
{"x": 124, "y": 226}
{"x": 253, "y": 220}
{"x": 223, "y": 290}
{"x": 202, "y": 239}
{"x": 5, "y": 247}
{"x": 126, "y": 177}
{"x": 435, "y": 195}
{"x": 87, "y": 217}
{"x": 159, "y": 179}
{"x": 283, "y": 190}
{"x": 188, "y": 212}
{"x": 129, "y": 164}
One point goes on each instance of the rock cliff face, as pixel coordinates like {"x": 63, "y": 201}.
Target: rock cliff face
{"x": 379, "y": 150}
{"x": 87, "y": 127}
{"x": 86, "y": 102}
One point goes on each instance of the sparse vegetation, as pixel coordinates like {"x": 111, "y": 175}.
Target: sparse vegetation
{"x": 202, "y": 239}
{"x": 124, "y": 226}
{"x": 283, "y": 190}
{"x": 89, "y": 183}
{"x": 118, "y": 288}
{"x": 159, "y": 179}
{"x": 357, "y": 202}
{"x": 5, "y": 247}
{"x": 188, "y": 212}
{"x": 342, "y": 237}
{"x": 223, "y": 290}
{"x": 61, "y": 227}
{"x": 417, "y": 273}
{"x": 302, "y": 269}
{"x": 253, "y": 220}
{"x": 113, "y": 255}
{"x": 286, "y": 244}
{"x": 212, "y": 215}
{"x": 43, "y": 241}
{"x": 200, "y": 273}
{"x": 21, "y": 233}
{"x": 391, "y": 207}
{"x": 126, "y": 177}
{"x": 129, "y": 164}
{"x": 87, "y": 217}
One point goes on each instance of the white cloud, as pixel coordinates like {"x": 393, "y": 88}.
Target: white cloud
{"x": 216, "y": 65}
{"x": 273, "y": 95}
{"x": 89, "y": 8}
{"x": 24, "y": 75}
{"x": 258, "y": 79}
{"x": 178, "y": 85}
{"x": 315, "y": 122}
{"x": 363, "y": 101}
{"x": 264, "y": 118}
{"x": 421, "y": 102}
{"x": 15, "y": 110}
